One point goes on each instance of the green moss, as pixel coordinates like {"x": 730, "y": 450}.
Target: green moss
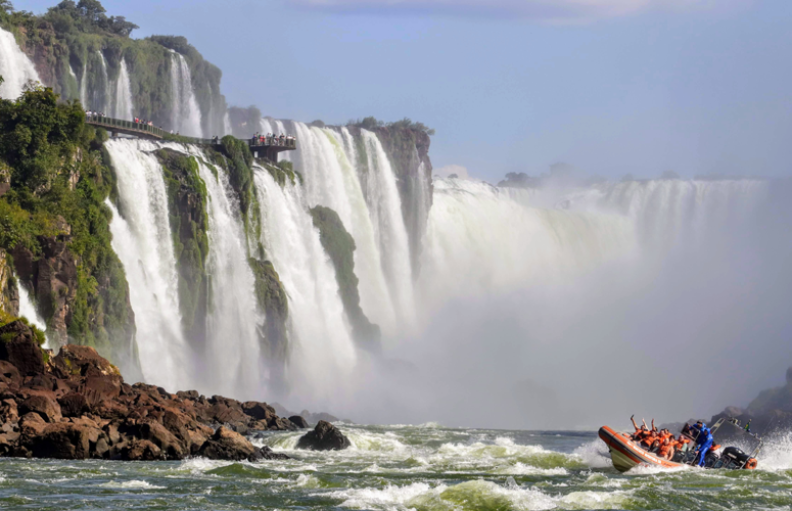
{"x": 239, "y": 164}
{"x": 282, "y": 172}
{"x": 48, "y": 147}
{"x": 273, "y": 302}
{"x": 340, "y": 247}
{"x": 187, "y": 198}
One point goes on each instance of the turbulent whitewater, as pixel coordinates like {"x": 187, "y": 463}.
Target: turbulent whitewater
{"x": 400, "y": 468}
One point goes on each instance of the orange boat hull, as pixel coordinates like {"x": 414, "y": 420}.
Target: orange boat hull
{"x": 626, "y": 454}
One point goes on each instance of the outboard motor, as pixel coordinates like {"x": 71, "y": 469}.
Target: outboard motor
{"x": 734, "y": 457}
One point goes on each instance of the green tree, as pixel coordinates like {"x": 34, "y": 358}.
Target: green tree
{"x": 92, "y": 10}
{"x": 119, "y": 25}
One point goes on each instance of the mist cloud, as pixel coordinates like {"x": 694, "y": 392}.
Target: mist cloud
{"x": 540, "y": 10}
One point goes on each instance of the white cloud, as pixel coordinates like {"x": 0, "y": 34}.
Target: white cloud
{"x": 460, "y": 171}
{"x": 544, "y": 10}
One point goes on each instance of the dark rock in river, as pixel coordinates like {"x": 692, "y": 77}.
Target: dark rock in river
{"x": 324, "y": 437}
{"x": 77, "y": 406}
{"x": 299, "y": 422}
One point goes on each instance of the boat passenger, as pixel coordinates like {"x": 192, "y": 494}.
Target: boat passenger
{"x": 666, "y": 448}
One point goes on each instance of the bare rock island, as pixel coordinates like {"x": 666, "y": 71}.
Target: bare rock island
{"x": 76, "y": 405}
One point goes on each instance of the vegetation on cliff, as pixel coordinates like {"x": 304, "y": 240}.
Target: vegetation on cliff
{"x": 54, "y": 222}
{"x": 187, "y": 211}
{"x": 68, "y": 42}
{"x": 340, "y": 247}
{"x": 282, "y": 171}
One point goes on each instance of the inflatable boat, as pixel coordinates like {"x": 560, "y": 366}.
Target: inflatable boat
{"x": 627, "y": 454}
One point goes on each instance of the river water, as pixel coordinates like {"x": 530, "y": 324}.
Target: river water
{"x": 426, "y": 467}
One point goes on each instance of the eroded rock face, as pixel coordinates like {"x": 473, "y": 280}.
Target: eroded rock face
{"x": 324, "y": 437}
{"x": 18, "y": 346}
{"x": 78, "y": 406}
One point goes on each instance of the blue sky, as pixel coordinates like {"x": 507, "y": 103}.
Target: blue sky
{"x": 609, "y": 86}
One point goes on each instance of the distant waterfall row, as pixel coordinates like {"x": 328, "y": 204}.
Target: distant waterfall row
{"x": 98, "y": 92}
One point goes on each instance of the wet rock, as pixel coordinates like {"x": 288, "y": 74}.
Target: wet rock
{"x": 259, "y": 411}
{"x": 324, "y": 437}
{"x": 63, "y": 440}
{"x": 19, "y": 347}
{"x": 78, "y": 407}
{"x": 46, "y": 407}
{"x": 76, "y": 360}
{"x": 227, "y": 445}
{"x": 142, "y": 450}
{"x": 265, "y": 453}
{"x": 169, "y": 445}
{"x": 298, "y": 421}
{"x": 9, "y": 373}
{"x": 73, "y": 404}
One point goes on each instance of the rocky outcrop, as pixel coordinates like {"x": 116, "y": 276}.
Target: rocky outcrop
{"x": 53, "y": 276}
{"x": 324, "y": 437}
{"x": 339, "y": 245}
{"x": 770, "y": 412}
{"x": 299, "y": 421}
{"x": 76, "y": 405}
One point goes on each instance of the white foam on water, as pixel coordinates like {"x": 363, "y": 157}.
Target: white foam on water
{"x": 776, "y": 453}
{"x": 594, "y": 454}
{"x": 134, "y": 484}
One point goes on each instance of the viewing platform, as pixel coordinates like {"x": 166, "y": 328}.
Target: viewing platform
{"x": 263, "y": 147}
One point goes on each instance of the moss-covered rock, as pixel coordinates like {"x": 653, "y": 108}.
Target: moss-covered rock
{"x": 272, "y": 300}
{"x": 187, "y": 211}
{"x": 238, "y": 162}
{"x": 340, "y": 247}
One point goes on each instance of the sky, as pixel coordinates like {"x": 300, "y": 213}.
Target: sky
{"x": 613, "y": 87}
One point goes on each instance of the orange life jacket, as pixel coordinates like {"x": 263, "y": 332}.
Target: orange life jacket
{"x": 665, "y": 450}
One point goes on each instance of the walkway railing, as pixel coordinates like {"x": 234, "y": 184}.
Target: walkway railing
{"x": 154, "y": 132}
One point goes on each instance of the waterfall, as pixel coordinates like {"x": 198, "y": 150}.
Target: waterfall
{"x": 669, "y": 211}
{"x": 479, "y": 241}
{"x": 143, "y": 240}
{"x": 28, "y": 309}
{"x": 185, "y": 114}
{"x": 99, "y": 87}
{"x": 328, "y": 162}
{"x": 322, "y": 350}
{"x": 232, "y": 359}
{"x": 122, "y": 106}
{"x": 227, "y": 130}
{"x": 84, "y": 86}
{"x": 15, "y": 67}
{"x": 385, "y": 208}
